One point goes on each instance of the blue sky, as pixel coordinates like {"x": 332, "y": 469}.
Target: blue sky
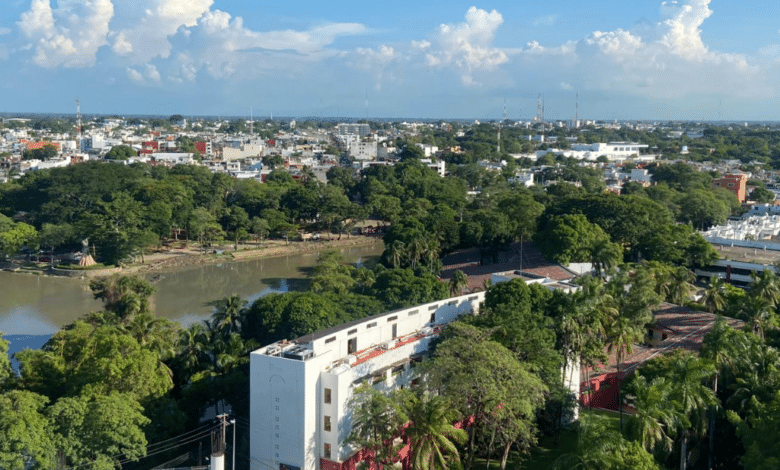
{"x": 645, "y": 59}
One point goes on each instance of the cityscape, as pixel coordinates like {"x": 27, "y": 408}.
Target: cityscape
{"x": 242, "y": 236}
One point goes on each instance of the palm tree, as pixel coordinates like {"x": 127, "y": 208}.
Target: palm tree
{"x": 396, "y": 253}
{"x": 227, "y": 316}
{"x": 767, "y": 286}
{"x": 605, "y": 255}
{"x": 693, "y": 397}
{"x": 680, "y": 285}
{"x": 621, "y": 337}
{"x": 432, "y": 435}
{"x": 756, "y": 310}
{"x": 714, "y": 298}
{"x": 458, "y": 283}
{"x": 656, "y": 417}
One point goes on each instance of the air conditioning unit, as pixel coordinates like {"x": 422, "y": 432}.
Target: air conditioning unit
{"x": 427, "y": 331}
{"x": 273, "y": 350}
{"x": 351, "y": 359}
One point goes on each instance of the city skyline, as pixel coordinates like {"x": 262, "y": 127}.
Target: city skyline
{"x": 687, "y": 60}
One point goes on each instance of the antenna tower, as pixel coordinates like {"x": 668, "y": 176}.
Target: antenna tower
{"x": 500, "y": 123}
{"x": 251, "y": 120}
{"x": 577, "y": 111}
{"x": 78, "y": 118}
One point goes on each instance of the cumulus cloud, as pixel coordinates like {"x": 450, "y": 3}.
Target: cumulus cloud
{"x": 147, "y": 37}
{"x": 221, "y": 45}
{"x": 468, "y": 45}
{"x": 69, "y": 35}
{"x": 665, "y": 59}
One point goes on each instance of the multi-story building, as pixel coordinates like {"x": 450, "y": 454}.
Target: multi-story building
{"x": 361, "y": 130}
{"x": 734, "y": 182}
{"x": 300, "y": 389}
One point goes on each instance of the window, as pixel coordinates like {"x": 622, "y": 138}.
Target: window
{"x": 414, "y": 312}
{"x": 327, "y": 451}
{"x": 433, "y": 307}
{"x": 393, "y": 318}
{"x": 395, "y": 330}
{"x": 371, "y": 325}
{"x": 327, "y": 396}
{"x": 326, "y": 423}
{"x": 433, "y": 318}
{"x": 351, "y": 345}
{"x": 352, "y": 331}
{"x": 330, "y": 340}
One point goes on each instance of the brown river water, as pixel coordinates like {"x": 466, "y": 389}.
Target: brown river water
{"x": 39, "y": 305}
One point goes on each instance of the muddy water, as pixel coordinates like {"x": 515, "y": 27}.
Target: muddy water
{"x": 36, "y": 305}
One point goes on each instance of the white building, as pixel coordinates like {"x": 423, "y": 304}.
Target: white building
{"x": 361, "y": 130}
{"x": 300, "y": 389}
{"x": 611, "y": 150}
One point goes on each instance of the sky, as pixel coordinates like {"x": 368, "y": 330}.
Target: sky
{"x": 644, "y": 59}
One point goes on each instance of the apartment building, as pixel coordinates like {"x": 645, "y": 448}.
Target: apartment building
{"x": 300, "y": 389}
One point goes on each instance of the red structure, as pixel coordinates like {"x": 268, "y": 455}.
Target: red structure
{"x": 42, "y": 144}
{"x": 201, "y": 146}
{"x": 736, "y": 183}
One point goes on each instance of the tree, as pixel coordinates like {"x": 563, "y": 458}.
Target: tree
{"x": 757, "y": 311}
{"x": 714, "y": 297}
{"x": 759, "y": 435}
{"x": 96, "y": 430}
{"x": 601, "y": 448}
{"x": 569, "y": 238}
{"x": 5, "y": 363}
{"x": 121, "y": 152}
{"x": 656, "y": 419}
{"x": 25, "y": 434}
{"x": 621, "y": 336}
{"x": 259, "y": 228}
{"x": 484, "y": 380}
{"x": 458, "y": 282}
{"x": 432, "y": 436}
{"x": 376, "y": 418}
{"x": 680, "y": 285}
{"x": 227, "y": 315}
{"x": 124, "y": 296}
{"x": 16, "y": 236}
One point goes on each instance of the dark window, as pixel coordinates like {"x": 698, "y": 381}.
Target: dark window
{"x": 327, "y": 451}
{"x": 371, "y": 325}
{"x": 351, "y": 345}
{"x": 330, "y": 340}
{"x": 327, "y": 396}
{"x": 352, "y": 331}
{"x": 392, "y": 319}
{"x": 433, "y": 307}
{"x": 326, "y": 423}
{"x": 433, "y": 318}
{"x": 395, "y": 330}
{"x": 414, "y": 312}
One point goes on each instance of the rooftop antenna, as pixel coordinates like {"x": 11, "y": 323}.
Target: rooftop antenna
{"x": 251, "y": 121}
{"x": 78, "y": 118}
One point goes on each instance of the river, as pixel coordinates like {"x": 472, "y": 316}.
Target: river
{"x": 32, "y": 308}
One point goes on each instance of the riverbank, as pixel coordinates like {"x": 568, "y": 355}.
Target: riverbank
{"x": 184, "y": 258}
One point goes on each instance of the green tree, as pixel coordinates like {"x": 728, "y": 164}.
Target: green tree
{"x": 714, "y": 296}
{"x": 121, "y": 152}
{"x": 25, "y": 433}
{"x": 458, "y": 282}
{"x": 432, "y": 436}
{"x": 759, "y": 435}
{"x": 504, "y": 390}
{"x": 16, "y": 236}
{"x": 656, "y": 419}
{"x": 569, "y": 238}
{"x": 96, "y": 430}
{"x": 376, "y": 418}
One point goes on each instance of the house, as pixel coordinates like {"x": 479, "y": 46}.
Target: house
{"x": 734, "y": 182}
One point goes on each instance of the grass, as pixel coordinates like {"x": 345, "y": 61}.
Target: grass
{"x": 544, "y": 455}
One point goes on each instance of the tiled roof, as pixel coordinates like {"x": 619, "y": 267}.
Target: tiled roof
{"x": 686, "y": 329}
{"x": 468, "y": 261}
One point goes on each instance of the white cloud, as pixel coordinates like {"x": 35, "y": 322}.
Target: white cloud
{"x": 661, "y": 60}
{"x": 135, "y": 75}
{"x": 5, "y": 31}
{"x": 547, "y": 20}
{"x": 151, "y": 73}
{"x": 222, "y": 46}
{"x": 69, "y": 35}
{"x": 566, "y": 86}
{"x": 469, "y": 45}
{"x": 152, "y": 25}
{"x": 421, "y": 45}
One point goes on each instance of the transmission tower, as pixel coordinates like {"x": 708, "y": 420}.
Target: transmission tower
{"x": 577, "y": 111}
{"x": 78, "y": 119}
{"x": 500, "y": 123}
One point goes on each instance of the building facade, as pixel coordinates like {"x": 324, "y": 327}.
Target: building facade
{"x": 300, "y": 389}
{"x": 736, "y": 183}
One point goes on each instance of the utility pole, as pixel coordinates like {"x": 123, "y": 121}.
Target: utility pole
{"x": 218, "y": 444}
{"x": 233, "y": 422}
